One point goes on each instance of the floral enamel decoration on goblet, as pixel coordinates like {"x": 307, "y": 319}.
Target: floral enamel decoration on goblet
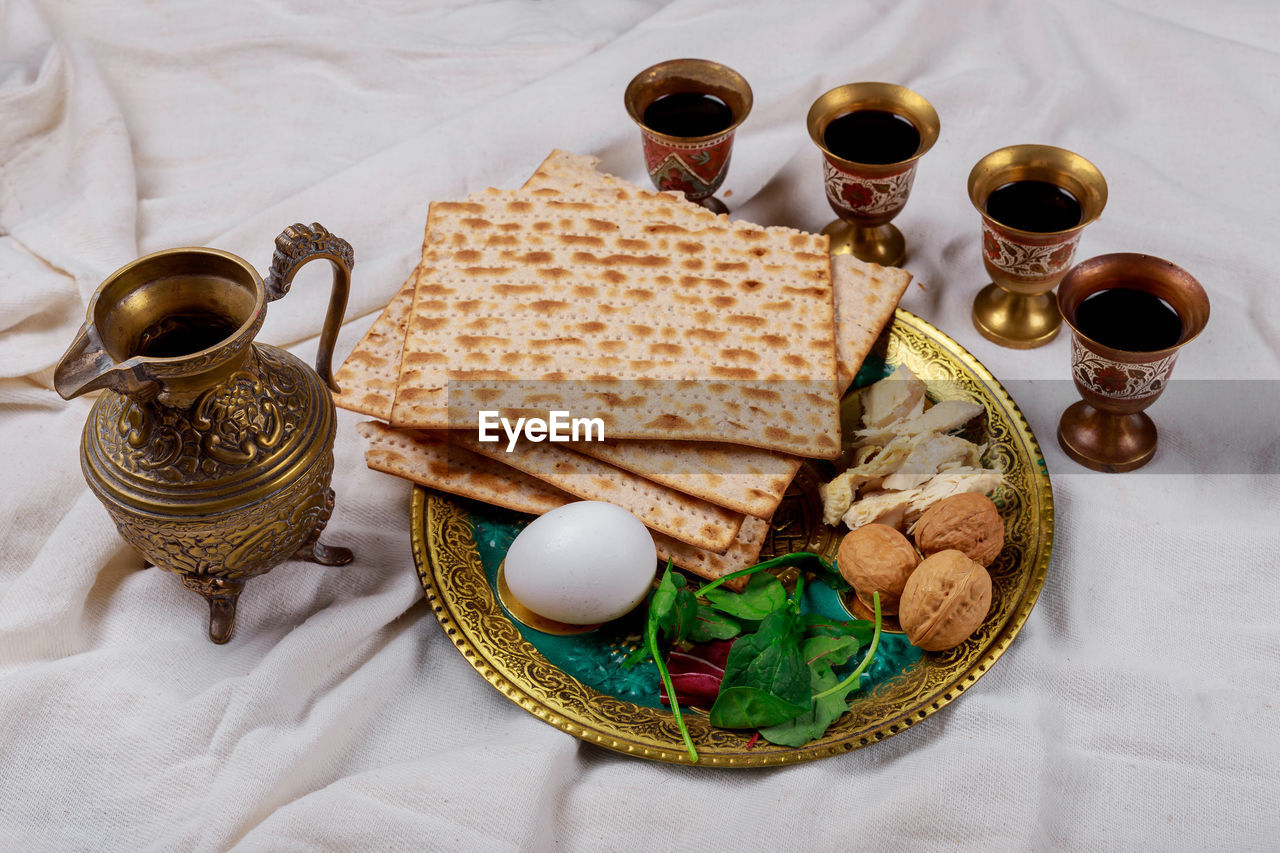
{"x": 1035, "y": 201}
{"x": 871, "y": 135}
{"x": 687, "y": 111}
{"x": 1129, "y": 314}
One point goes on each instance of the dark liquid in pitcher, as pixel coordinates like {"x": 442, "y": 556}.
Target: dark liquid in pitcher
{"x": 875, "y": 137}
{"x": 1034, "y": 206}
{"x": 688, "y": 114}
{"x": 183, "y": 334}
{"x": 1128, "y": 319}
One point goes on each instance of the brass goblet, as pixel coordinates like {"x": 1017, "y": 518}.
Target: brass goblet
{"x": 871, "y": 135}
{"x": 1027, "y": 245}
{"x": 1122, "y": 355}
{"x": 687, "y": 111}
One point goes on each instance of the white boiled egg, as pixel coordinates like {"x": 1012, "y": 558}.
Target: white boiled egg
{"x": 582, "y": 563}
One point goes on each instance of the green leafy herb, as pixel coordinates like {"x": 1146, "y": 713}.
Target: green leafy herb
{"x": 852, "y": 680}
{"x": 708, "y": 625}
{"x": 638, "y": 655}
{"x": 828, "y": 650}
{"x": 780, "y": 676}
{"x": 763, "y": 594}
{"x": 766, "y": 680}
{"x": 651, "y": 640}
{"x": 805, "y": 559}
{"x": 674, "y": 606}
{"x": 750, "y": 708}
{"x": 673, "y": 610}
{"x": 818, "y": 625}
{"x": 804, "y": 727}
{"x": 830, "y": 694}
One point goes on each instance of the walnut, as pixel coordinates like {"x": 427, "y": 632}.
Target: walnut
{"x": 877, "y": 558}
{"x": 945, "y": 600}
{"x": 969, "y": 523}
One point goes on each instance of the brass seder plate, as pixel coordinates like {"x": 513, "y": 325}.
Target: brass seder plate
{"x": 457, "y": 550}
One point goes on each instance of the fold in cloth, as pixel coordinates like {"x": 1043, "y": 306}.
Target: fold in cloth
{"x": 68, "y": 201}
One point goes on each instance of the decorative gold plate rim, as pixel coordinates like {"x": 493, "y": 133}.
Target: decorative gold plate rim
{"x": 455, "y": 586}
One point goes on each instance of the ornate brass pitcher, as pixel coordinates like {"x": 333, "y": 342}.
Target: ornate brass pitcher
{"x": 212, "y": 453}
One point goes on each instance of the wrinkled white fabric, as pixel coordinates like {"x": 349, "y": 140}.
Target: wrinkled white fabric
{"x": 1137, "y": 709}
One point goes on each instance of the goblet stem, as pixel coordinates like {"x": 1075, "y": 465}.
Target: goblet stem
{"x": 712, "y": 204}
{"x": 876, "y": 244}
{"x": 1017, "y": 320}
{"x": 1105, "y": 441}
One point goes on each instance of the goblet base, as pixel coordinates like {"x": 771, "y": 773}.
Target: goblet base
{"x": 878, "y": 244}
{"x": 1016, "y": 320}
{"x": 712, "y": 204}
{"x": 1104, "y": 441}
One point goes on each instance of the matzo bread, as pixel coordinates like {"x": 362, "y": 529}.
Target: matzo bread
{"x": 865, "y": 298}
{"x": 866, "y": 294}
{"x": 745, "y": 479}
{"x": 666, "y": 510}
{"x": 748, "y": 480}
{"x": 566, "y": 172}
{"x": 429, "y": 461}
{"x": 744, "y": 552}
{"x": 367, "y": 379}
{"x": 520, "y": 286}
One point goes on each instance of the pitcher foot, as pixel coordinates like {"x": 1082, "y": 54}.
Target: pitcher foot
{"x": 316, "y": 551}
{"x": 222, "y": 595}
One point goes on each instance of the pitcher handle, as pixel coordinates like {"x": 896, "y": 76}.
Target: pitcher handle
{"x": 297, "y": 245}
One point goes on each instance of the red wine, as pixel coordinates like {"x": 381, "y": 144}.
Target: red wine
{"x": 1034, "y": 206}
{"x": 183, "y": 334}
{"x": 875, "y": 137}
{"x": 1128, "y": 319}
{"x": 688, "y": 114}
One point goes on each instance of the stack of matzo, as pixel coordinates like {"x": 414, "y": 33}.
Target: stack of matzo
{"x": 582, "y": 276}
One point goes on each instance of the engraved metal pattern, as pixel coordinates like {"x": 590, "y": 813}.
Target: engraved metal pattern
{"x": 235, "y": 427}
{"x": 867, "y": 196}
{"x": 797, "y": 523}
{"x": 459, "y": 594}
{"x": 298, "y": 244}
{"x": 674, "y": 174}
{"x": 205, "y": 491}
{"x": 241, "y": 543}
{"x": 674, "y": 143}
{"x": 1025, "y": 259}
{"x": 696, "y": 169}
{"x": 1119, "y": 380}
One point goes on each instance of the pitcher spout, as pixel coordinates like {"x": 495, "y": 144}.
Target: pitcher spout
{"x": 87, "y": 366}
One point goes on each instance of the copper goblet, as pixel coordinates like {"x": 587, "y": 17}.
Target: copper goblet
{"x": 1123, "y": 346}
{"x": 687, "y": 111}
{"x": 871, "y": 136}
{"x": 1035, "y": 200}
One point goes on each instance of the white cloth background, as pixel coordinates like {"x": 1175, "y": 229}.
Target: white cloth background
{"x": 1137, "y": 709}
